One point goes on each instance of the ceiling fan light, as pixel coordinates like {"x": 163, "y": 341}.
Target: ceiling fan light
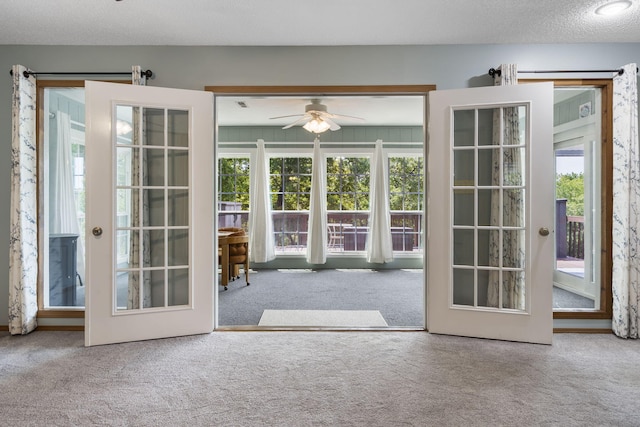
{"x": 316, "y": 126}
{"x": 613, "y": 8}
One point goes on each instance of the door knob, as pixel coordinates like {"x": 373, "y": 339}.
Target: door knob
{"x": 97, "y": 231}
{"x": 544, "y": 231}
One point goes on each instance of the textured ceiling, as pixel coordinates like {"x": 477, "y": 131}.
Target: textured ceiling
{"x": 311, "y": 22}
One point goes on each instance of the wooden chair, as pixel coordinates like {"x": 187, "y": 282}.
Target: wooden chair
{"x": 234, "y": 247}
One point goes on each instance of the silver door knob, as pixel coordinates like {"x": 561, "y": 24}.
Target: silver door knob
{"x": 97, "y": 231}
{"x": 544, "y": 231}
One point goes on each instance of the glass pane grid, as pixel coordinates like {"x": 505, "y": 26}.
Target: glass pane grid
{"x": 157, "y": 199}
{"x": 480, "y": 187}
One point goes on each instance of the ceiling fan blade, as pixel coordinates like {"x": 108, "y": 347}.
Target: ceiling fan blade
{"x": 342, "y": 116}
{"x": 284, "y": 117}
{"x": 332, "y": 125}
{"x": 303, "y": 119}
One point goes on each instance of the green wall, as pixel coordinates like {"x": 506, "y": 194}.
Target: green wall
{"x": 447, "y": 66}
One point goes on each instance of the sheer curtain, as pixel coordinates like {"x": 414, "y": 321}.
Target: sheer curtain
{"x": 261, "y": 240}
{"x": 23, "y": 237}
{"x": 626, "y": 205}
{"x": 317, "y": 237}
{"x": 379, "y": 249}
{"x": 64, "y": 214}
{"x": 507, "y": 205}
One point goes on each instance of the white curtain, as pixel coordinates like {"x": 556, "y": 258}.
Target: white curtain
{"x": 378, "y": 247}
{"x": 64, "y": 215}
{"x": 261, "y": 240}
{"x": 507, "y": 205}
{"x": 626, "y": 205}
{"x": 140, "y": 244}
{"x": 23, "y": 234}
{"x": 317, "y": 237}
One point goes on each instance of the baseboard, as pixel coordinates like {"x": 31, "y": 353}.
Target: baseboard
{"x": 581, "y": 331}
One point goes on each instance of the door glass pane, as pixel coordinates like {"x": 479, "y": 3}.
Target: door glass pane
{"x": 463, "y": 203}
{"x": 154, "y": 280}
{"x": 148, "y": 203}
{"x": 483, "y": 287}
{"x": 463, "y": 245}
{"x": 486, "y": 173}
{"x": 154, "y": 131}
{"x": 464, "y": 167}
{"x": 463, "y": 128}
{"x": 153, "y": 167}
{"x": 485, "y": 126}
{"x": 178, "y": 128}
{"x": 177, "y": 168}
{"x": 156, "y": 248}
{"x": 178, "y": 242}
{"x": 463, "y": 286}
{"x": 128, "y": 290}
{"x": 155, "y": 207}
{"x": 493, "y": 217}
{"x": 178, "y": 207}
{"x": 179, "y": 286}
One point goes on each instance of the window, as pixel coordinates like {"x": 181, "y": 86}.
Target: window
{"x": 290, "y": 197}
{"x": 233, "y": 192}
{"x": 348, "y": 202}
{"x": 406, "y": 202}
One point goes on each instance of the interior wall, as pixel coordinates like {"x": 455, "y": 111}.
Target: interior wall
{"x": 194, "y": 67}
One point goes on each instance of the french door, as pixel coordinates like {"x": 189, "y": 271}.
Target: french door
{"x": 150, "y": 260}
{"x": 491, "y": 212}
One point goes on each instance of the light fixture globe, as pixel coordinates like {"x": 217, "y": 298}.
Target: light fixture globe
{"x": 316, "y": 125}
{"x": 613, "y": 8}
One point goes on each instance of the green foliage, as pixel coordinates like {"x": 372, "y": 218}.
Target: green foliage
{"x": 348, "y": 183}
{"x": 233, "y": 181}
{"x": 570, "y": 186}
{"x": 405, "y": 183}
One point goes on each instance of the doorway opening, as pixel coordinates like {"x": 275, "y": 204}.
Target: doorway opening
{"x": 246, "y": 117}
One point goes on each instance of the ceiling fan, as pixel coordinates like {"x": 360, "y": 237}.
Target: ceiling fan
{"x": 316, "y": 118}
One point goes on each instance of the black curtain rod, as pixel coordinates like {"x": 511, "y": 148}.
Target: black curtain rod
{"x": 144, "y": 73}
{"x": 493, "y": 72}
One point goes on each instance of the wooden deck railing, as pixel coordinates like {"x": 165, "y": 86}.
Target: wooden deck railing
{"x": 569, "y": 233}
{"x": 291, "y": 228}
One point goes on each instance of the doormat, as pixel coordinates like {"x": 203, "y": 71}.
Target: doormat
{"x": 323, "y": 318}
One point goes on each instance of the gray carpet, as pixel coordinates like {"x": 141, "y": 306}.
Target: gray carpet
{"x": 319, "y": 379}
{"x": 397, "y": 294}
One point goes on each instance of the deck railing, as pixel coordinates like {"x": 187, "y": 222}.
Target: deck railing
{"x": 569, "y": 233}
{"x": 350, "y": 228}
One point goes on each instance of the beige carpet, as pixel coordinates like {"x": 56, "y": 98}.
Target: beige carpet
{"x": 330, "y": 318}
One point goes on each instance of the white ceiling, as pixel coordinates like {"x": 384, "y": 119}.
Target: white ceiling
{"x": 311, "y": 22}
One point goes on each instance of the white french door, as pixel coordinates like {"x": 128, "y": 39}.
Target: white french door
{"x": 491, "y": 212}
{"x": 150, "y": 260}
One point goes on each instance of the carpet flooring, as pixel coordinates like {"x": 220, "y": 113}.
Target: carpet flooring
{"x": 396, "y": 294}
{"x": 318, "y": 379}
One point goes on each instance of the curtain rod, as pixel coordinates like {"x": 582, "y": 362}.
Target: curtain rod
{"x": 493, "y": 72}
{"x": 144, "y": 73}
